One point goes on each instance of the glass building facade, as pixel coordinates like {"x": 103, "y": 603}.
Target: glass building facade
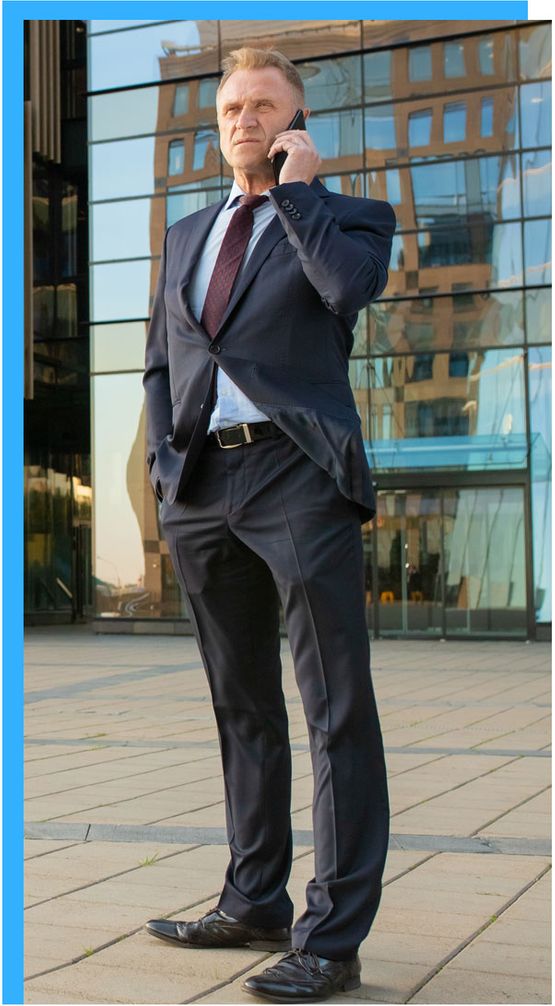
{"x": 450, "y": 122}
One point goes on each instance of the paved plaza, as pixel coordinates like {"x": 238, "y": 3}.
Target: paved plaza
{"x": 125, "y": 822}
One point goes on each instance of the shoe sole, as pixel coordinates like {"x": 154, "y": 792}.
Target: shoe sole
{"x": 348, "y": 986}
{"x": 273, "y": 945}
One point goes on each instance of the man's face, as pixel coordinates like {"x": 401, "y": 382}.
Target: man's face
{"x": 253, "y": 105}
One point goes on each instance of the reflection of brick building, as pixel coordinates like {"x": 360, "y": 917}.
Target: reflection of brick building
{"x": 444, "y": 120}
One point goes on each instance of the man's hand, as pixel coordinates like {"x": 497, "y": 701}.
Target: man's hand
{"x": 303, "y": 160}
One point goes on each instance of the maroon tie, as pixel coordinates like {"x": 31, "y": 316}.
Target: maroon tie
{"x": 230, "y": 256}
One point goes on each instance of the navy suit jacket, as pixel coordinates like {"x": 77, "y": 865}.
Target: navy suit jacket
{"x": 284, "y": 339}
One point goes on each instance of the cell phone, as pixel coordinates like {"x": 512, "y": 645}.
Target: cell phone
{"x": 297, "y": 122}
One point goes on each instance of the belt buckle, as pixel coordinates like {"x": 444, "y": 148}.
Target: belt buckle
{"x": 246, "y": 431}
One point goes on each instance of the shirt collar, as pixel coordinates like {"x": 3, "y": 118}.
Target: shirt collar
{"x": 236, "y": 192}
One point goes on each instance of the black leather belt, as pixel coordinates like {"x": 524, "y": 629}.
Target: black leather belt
{"x": 244, "y": 433}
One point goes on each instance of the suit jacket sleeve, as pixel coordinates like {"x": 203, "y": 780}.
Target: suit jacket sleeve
{"x": 156, "y": 379}
{"x": 343, "y": 255}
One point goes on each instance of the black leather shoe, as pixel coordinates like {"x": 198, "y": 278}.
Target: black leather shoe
{"x": 216, "y": 929}
{"x": 303, "y": 977}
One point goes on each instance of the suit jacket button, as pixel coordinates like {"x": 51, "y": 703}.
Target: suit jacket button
{"x": 214, "y": 348}
{"x": 296, "y": 215}
{"x": 285, "y": 203}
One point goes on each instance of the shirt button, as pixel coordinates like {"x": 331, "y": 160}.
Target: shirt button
{"x": 214, "y": 348}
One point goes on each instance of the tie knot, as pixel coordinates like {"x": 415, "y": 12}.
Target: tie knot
{"x": 252, "y": 201}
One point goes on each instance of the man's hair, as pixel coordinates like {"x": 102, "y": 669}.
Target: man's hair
{"x": 248, "y": 58}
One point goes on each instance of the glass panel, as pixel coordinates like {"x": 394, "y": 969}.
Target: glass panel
{"x": 449, "y": 412}
{"x": 535, "y": 113}
{"x": 535, "y": 51}
{"x": 420, "y": 127}
{"x": 486, "y": 188}
{"x": 536, "y": 179}
{"x": 48, "y": 539}
{"x": 338, "y": 136}
{"x": 453, "y": 59}
{"x": 537, "y": 251}
{"x": 454, "y": 122}
{"x": 95, "y": 27}
{"x": 128, "y": 564}
{"x": 181, "y": 204}
{"x": 377, "y": 75}
{"x": 124, "y": 230}
{"x": 409, "y": 562}
{"x": 486, "y": 54}
{"x": 297, "y": 39}
{"x": 332, "y": 83}
{"x": 420, "y": 63}
{"x": 180, "y": 100}
{"x": 151, "y": 109}
{"x": 479, "y": 256}
{"x": 538, "y": 315}
{"x": 120, "y": 290}
{"x": 206, "y": 150}
{"x": 539, "y": 379}
{"x": 156, "y": 52}
{"x": 381, "y": 33}
{"x": 347, "y": 185}
{"x": 486, "y": 117}
{"x": 118, "y": 347}
{"x": 379, "y": 125}
{"x": 399, "y": 128}
{"x": 462, "y": 322}
{"x": 176, "y": 158}
{"x": 485, "y": 580}
{"x": 122, "y": 169}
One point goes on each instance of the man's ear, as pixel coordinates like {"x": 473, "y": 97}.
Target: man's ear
{"x": 306, "y": 112}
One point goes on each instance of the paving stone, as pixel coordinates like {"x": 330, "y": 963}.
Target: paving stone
{"x": 455, "y": 985}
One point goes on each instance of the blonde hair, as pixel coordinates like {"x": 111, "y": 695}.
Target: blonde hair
{"x": 248, "y": 58}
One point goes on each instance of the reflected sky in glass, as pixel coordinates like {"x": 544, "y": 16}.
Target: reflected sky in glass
{"x": 119, "y": 477}
{"x": 120, "y": 290}
{"x": 134, "y": 57}
{"x": 122, "y": 230}
{"x": 122, "y": 169}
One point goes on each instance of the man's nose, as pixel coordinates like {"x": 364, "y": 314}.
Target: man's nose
{"x": 246, "y": 118}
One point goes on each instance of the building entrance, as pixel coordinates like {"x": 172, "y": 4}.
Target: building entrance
{"x": 447, "y": 562}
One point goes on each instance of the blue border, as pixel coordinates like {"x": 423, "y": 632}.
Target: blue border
{"x": 14, "y": 12}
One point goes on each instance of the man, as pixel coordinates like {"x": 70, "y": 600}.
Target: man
{"x": 256, "y": 454}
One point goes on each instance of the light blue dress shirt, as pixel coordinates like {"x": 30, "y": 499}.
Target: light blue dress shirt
{"x": 232, "y": 406}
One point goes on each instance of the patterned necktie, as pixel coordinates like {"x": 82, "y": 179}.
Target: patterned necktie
{"x": 230, "y": 256}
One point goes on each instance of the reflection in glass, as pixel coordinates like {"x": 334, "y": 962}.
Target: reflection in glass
{"x": 207, "y": 93}
{"x": 122, "y": 230}
{"x": 450, "y": 411}
{"x": 536, "y": 179}
{"x": 409, "y": 562}
{"x": 121, "y": 169}
{"x": 346, "y": 185}
{"x": 118, "y": 347}
{"x": 180, "y": 100}
{"x": 332, "y": 83}
{"x": 156, "y": 52}
{"x": 539, "y": 383}
{"x": 454, "y": 122}
{"x": 181, "y": 204}
{"x": 379, "y": 125}
{"x": 420, "y": 127}
{"x": 337, "y": 134}
{"x": 538, "y": 315}
{"x": 176, "y": 157}
{"x": 537, "y": 251}
{"x": 453, "y": 59}
{"x": 486, "y": 56}
{"x": 48, "y": 538}
{"x": 486, "y": 117}
{"x": 487, "y": 187}
{"x": 485, "y": 571}
{"x": 297, "y": 39}
{"x": 123, "y": 113}
{"x": 205, "y": 150}
{"x": 129, "y": 553}
{"x": 377, "y": 75}
{"x": 535, "y": 51}
{"x": 120, "y": 290}
{"x": 535, "y": 114}
{"x": 420, "y": 63}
